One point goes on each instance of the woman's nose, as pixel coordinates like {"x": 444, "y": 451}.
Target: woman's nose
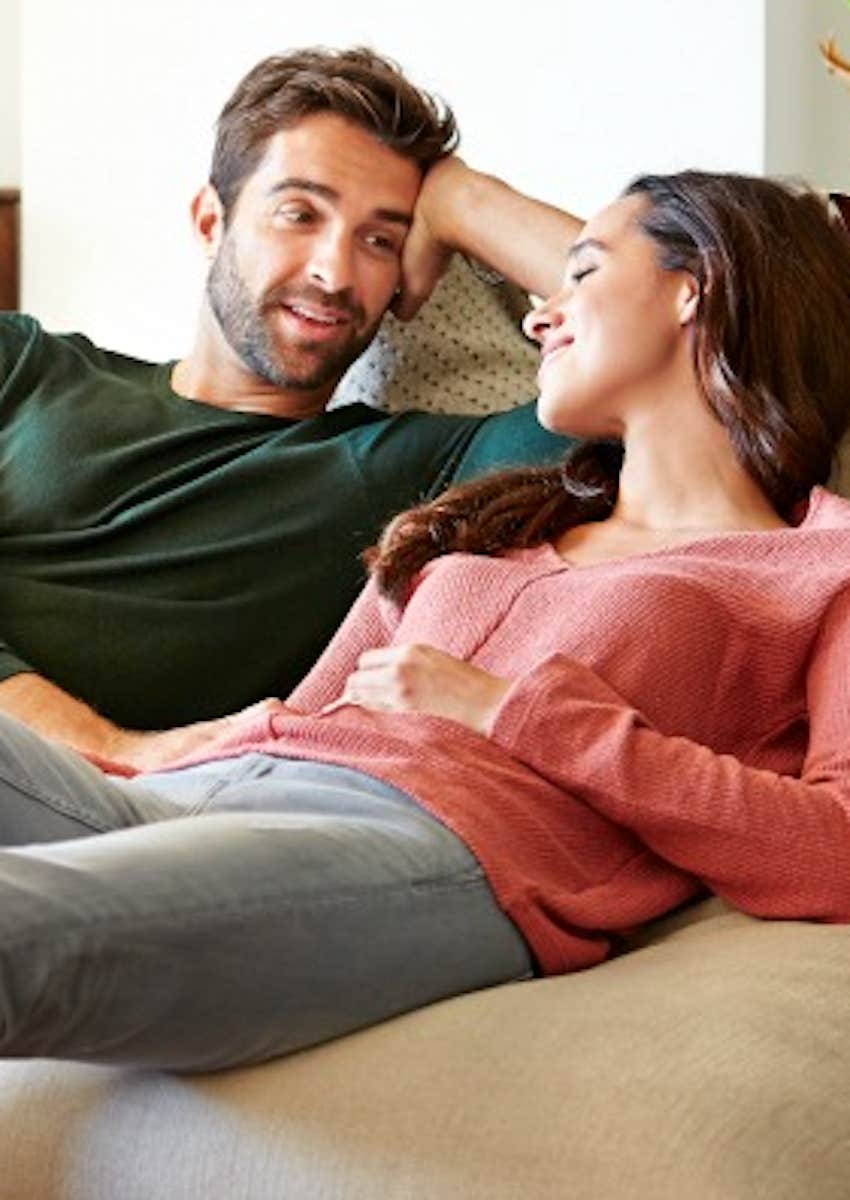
{"x": 540, "y": 320}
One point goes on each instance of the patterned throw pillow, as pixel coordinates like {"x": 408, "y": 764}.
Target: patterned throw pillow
{"x": 465, "y": 352}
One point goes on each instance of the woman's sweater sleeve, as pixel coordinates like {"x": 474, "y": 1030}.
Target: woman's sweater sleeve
{"x": 370, "y": 622}
{"x": 774, "y": 845}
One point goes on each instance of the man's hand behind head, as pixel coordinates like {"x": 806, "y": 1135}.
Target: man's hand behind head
{"x": 430, "y": 244}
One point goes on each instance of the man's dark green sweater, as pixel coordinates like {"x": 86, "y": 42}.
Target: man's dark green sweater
{"x": 167, "y": 560}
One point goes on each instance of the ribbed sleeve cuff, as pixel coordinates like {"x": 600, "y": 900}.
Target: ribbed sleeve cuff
{"x": 551, "y": 690}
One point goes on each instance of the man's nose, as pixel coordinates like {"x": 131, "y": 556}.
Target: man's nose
{"x": 331, "y": 262}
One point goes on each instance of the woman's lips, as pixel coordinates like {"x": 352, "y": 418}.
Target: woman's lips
{"x": 554, "y": 349}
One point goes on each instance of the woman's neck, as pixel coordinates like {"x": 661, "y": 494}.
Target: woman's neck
{"x": 683, "y": 475}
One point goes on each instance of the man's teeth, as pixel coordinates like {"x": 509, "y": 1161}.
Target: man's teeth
{"x": 321, "y": 318}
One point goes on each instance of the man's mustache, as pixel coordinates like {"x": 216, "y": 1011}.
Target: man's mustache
{"x": 342, "y": 302}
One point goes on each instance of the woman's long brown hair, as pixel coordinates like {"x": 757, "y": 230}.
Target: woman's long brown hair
{"x": 771, "y": 353}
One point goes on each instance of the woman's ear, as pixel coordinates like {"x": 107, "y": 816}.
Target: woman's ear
{"x": 688, "y": 299}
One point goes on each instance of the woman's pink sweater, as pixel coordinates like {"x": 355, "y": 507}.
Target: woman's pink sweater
{"x": 677, "y": 720}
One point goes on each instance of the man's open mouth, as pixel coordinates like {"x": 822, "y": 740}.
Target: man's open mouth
{"x": 322, "y": 317}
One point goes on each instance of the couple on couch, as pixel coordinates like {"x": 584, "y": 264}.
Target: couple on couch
{"x": 575, "y": 693}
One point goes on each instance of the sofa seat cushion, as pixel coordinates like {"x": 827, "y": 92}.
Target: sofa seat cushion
{"x": 711, "y": 1061}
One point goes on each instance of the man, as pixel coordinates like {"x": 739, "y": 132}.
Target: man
{"x": 179, "y": 540}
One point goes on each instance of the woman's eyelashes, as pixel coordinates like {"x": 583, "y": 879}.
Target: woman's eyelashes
{"x": 577, "y": 276}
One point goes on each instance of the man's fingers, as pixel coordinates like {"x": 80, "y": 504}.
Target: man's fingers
{"x": 405, "y": 306}
{"x": 424, "y": 262}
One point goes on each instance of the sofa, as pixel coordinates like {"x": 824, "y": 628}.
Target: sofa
{"x": 709, "y": 1060}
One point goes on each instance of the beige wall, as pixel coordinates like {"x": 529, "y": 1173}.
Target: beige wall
{"x": 807, "y": 130}
{"x": 830, "y": 112}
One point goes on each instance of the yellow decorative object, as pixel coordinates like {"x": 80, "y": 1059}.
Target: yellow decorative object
{"x": 835, "y": 61}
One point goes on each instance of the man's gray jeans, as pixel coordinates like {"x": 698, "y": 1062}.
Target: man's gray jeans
{"x": 225, "y": 913}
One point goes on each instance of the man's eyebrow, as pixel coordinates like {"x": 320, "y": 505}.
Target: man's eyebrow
{"x": 585, "y": 244}
{"x": 295, "y": 183}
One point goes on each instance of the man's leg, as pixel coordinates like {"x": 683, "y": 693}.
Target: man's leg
{"x": 233, "y": 936}
{"x": 49, "y": 793}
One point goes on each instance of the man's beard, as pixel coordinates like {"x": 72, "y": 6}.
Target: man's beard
{"x": 302, "y": 365}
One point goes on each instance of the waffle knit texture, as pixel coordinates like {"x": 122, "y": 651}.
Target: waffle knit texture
{"x": 677, "y": 720}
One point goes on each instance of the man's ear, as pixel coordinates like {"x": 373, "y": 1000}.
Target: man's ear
{"x": 208, "y": 219}
{"x": 688, "y": 298}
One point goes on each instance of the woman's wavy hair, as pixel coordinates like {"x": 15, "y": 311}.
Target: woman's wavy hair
{"x": 771, "y": 350}
{"x": 367, "y": 89}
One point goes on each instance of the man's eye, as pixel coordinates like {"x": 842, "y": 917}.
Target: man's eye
{"x": 294, "y": 216}
{"x": 383, "y": 242}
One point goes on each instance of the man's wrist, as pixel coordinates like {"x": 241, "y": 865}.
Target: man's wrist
{"x": 474, "y": 201}
{"x": 449, "y": 190}
{"x": 120, "y": 745}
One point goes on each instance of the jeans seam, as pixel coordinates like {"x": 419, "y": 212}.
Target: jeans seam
{"x": 198, "y": 912}
{"x": 469, "y": 878}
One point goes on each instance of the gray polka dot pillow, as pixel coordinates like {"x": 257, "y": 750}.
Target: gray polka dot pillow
{"x": 465, "y": 352}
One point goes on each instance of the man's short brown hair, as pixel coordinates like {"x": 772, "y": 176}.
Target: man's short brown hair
{"x": 357, "y": 84}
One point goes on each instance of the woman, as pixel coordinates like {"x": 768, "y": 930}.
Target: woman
{"x": 568, "y": 700}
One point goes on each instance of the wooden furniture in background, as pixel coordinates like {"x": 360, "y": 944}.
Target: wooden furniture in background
{"x": 9, "y": 247}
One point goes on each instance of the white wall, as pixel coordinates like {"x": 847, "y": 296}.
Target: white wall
{"x": 10, "y": 142}
{"x": 567, "y": 98}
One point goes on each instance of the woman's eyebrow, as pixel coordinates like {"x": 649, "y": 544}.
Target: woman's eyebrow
{"x": 585, "y": 244}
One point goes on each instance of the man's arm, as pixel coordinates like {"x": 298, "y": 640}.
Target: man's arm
{"x": 55, "y": 714}
{"x": 458, "y": 208}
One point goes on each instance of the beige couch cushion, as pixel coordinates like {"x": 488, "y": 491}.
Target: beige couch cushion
{"x": 711, "y": 1063}
{"x": 464, "y": 353}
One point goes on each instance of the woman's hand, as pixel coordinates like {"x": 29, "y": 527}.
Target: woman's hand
{"x": 421, "y": 679}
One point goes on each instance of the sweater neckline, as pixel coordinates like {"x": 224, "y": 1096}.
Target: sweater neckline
{"x": 813, "y": 504}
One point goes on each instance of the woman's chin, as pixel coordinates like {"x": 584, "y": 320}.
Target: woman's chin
{"x": 560, "y": 418}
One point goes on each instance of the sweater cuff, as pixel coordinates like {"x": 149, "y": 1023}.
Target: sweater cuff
{"x": 558, "y": 681}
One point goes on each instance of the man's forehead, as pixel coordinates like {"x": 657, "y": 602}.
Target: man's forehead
{"x": 336, "y": 157}
{"x": 295, "y": 183}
